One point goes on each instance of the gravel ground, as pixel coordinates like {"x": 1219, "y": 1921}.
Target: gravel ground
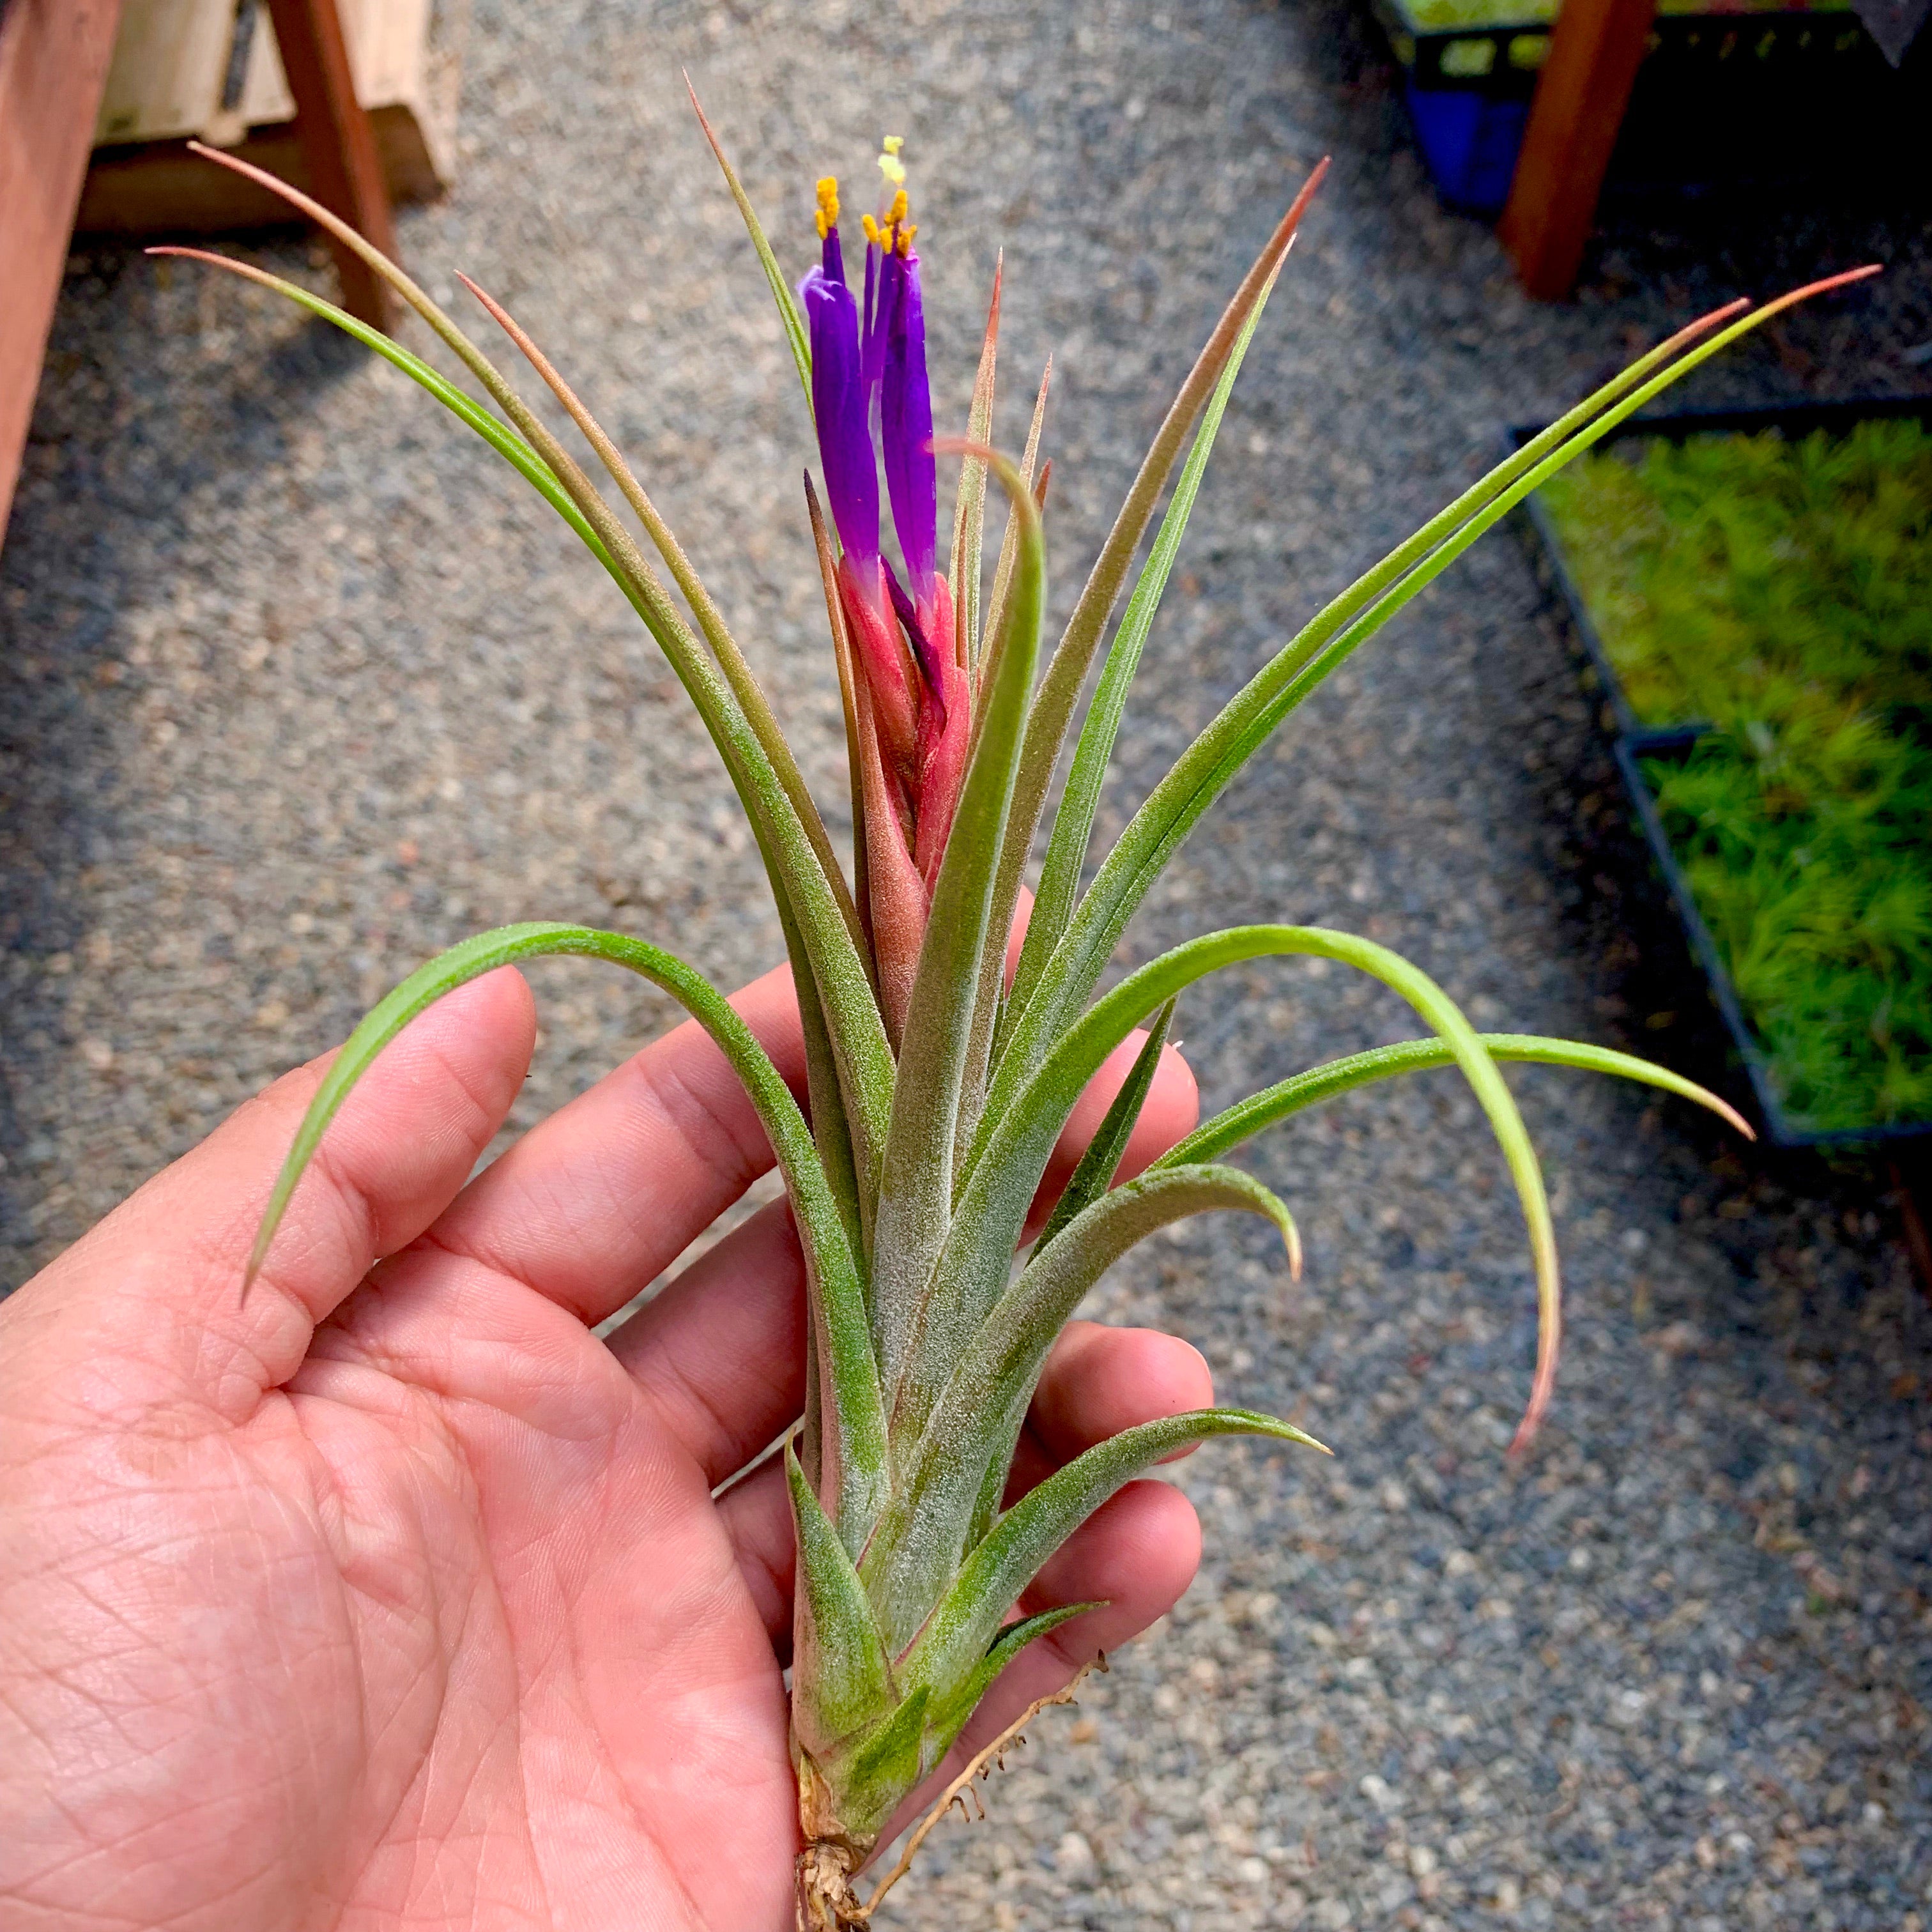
{"x": 299, "y": 686}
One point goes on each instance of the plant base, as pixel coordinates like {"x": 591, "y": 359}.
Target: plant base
{"x": 827, "y": 1902}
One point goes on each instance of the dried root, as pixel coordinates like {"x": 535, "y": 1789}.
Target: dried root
{"x": 827, "y": 1902}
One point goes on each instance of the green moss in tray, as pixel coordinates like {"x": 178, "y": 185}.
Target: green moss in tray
{"x": 1806, "y": 850}
{"x": 1727, "y": 575}
{"x": 1783, "y": 590}
{"x": 1446, "y": 16}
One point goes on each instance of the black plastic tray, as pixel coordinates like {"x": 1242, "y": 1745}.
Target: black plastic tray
{"x": 1632, "y": 742}
{"x": 1815, "y": 47}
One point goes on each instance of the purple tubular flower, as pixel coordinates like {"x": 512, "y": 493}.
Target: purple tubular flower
{"x": 868, "y": 325}
{"x": 912, "y": 478}
{"x": 839, "y": 404}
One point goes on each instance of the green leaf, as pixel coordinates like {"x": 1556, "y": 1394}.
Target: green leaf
{"x": 969, "y": 513}
{"x": 840, "y": 1679}
{"x": 1018, "y": 1143}
{"x": 831, "y": 1130}
{"x": 858, "y": 1445}
{"x": 992, "y": 965}
{"x": 1015, "y": 1637}
{"x": 888, "y": 1764}
{"x": 1098, "y": 1165}
{"x": 1066, "y": 671}
{"x": 1206, "y": 768}
{"x": 916, "y": 1189}
{"x": 1073, "y": 823}
{"x": 951, "y": 1647}
{"x": 949, "y": 1718}
{"x": 976, "y": 1422}
{"x": 1247, "y": 1117}
{"x": 793, "y": 323}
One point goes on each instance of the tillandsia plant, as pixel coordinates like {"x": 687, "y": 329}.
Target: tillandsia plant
{"x": 937, "y": 1083}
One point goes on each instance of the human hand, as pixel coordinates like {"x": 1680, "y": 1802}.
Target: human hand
{"x": 393, "y": 1595}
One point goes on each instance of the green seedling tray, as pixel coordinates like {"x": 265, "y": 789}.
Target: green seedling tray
{"x": 1546, "y": 546}
{"x": 1632, "y": 740}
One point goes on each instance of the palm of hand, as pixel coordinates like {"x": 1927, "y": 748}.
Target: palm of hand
{"x": 412, "y": 1604}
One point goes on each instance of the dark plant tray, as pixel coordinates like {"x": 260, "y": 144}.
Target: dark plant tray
{"x": 1713, "y": 105}
{"x": 1632, "y": 741}
{"x": 1813, "y": 46}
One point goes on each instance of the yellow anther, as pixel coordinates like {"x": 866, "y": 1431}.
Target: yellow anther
{"x": 890, "y": 165}
{"x": 894, "y": 142}
{"x": 874, "y": 234}
{"x": 897, "y": 212}
{"x": 905, "y": 234}
{"x": 828, "y": 204}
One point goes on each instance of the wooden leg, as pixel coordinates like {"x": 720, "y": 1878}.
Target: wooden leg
{"x": 1912, "y": 1182}
{"x": 54, "y": 55}
{"x": 338, "y": 148}
{"x": 1580, "y": 98}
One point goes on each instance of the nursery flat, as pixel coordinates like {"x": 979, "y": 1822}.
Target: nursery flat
{"x": 1779, "y": 592}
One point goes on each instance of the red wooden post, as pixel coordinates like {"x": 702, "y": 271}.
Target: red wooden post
{"x": 338, "y": 147}
{"x": 1912, "y": 1182}
{"x": 53, "y": 64}
{"x": 1580, "y": 98}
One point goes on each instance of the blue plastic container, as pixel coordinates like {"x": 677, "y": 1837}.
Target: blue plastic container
{"x": 1469, "y": 143}
{"x": 1721, "y": 86}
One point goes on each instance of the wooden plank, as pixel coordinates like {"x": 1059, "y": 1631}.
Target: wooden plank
{"x": 389, "y": 44}
{"x": 162, "y": 189}
{"x": 1573, "y": 121}
{"x": 170, "y": 59}
{"x": 202, "y": 68}
{"x": 337, "y": 144}
{"x": 210, "y": 70}
{"x": 54, "y": 57}
{"x": 400, "y": 61}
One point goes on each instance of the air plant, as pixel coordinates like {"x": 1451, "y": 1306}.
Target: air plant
{"x": 937, "y": 1087}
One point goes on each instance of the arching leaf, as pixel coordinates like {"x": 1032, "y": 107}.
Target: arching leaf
{"x": 857, "y": 1447}
{"x": 1000, "y": 1184}
{"x": 950, "y": 1648}
{"x": 1247, "y": 1117}
{"x": 927, "y": 1525}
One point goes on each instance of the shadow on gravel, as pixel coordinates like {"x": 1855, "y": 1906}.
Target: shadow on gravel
{"x": 132, "y": 486}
